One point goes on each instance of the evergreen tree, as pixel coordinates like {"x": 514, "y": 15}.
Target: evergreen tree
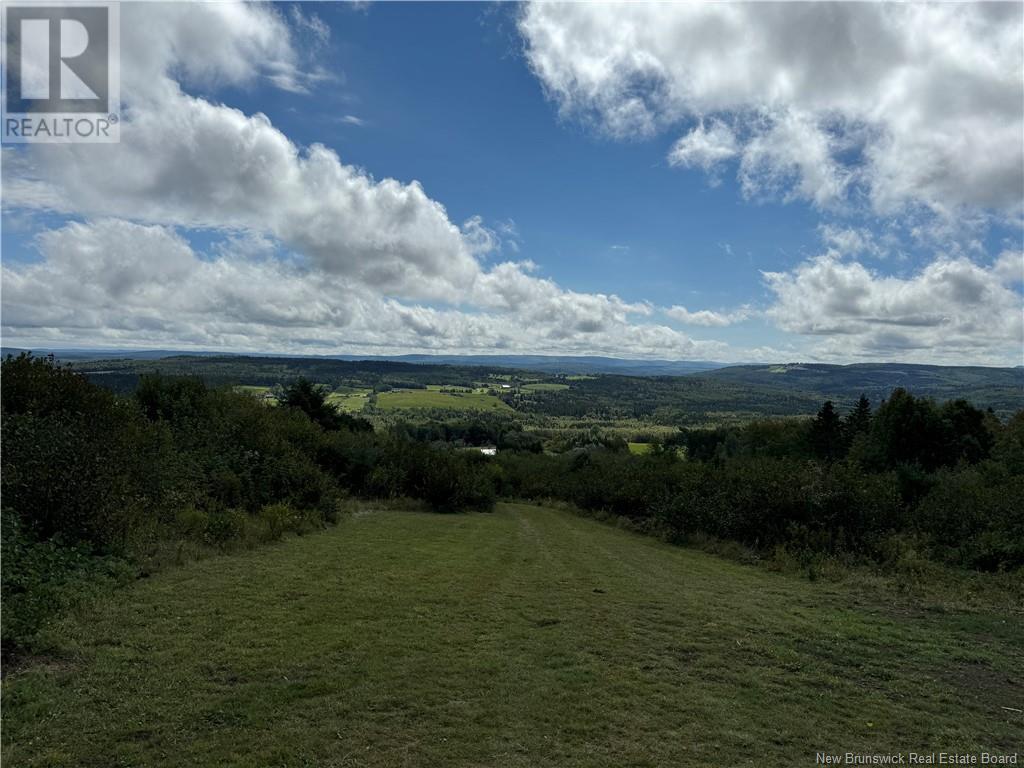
{"x": 857, "y": 421}
{"x": 311, "y": 399}
{"x": 827, "y": 433}
{"x": 907, "y": 430}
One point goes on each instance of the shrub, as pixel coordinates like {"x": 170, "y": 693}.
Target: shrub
{"x": 224, "y": 526}
{"x": 276, "y": 519}
{"x": 75, "y": 458}
{"x": 975, "y": 518}
{"x": 192, "y": 523}
{"x": 42, "y": 580}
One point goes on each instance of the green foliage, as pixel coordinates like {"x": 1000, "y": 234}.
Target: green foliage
{"x": 312, "y": 400}
{"x": 1009, "y": 444}
{"x": 42, "y": 580}
{"x": 915, "y": 469}
{"x": 975, "y": 518}
{"x": 276, "y": 520}
{"x": 90, "y": 477}
{"x": 79, "y": 464}
{"x": 857, "y": 421}
{"x": 827, "y": 434}
{"x": 223, "y": 526}
{"x": 89, "y": 474}
{"x": 908, "y": 430}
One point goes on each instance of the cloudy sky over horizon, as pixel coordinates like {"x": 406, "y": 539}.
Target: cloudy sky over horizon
{"x": 733, "y": 182}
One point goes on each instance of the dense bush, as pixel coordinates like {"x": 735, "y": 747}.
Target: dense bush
{"x": 975, "y": 517}
{"x": 90, "y": 477}
{"x": 951, "y": 477}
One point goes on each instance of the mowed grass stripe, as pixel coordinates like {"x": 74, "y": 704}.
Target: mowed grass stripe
{"x": 522, "y": 638}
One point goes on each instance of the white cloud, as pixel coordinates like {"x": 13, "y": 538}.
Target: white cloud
{"x": 704, "y": 148}
{"x": 953, "y": 309}
{"x": 312, "y": 25}
{"x": 852, "y": 241}
{"x": 116, "y": 282}
{"x": 911, "y": 103}
{"x": 791, "y": 156}
{"x": 187, "y": 162}
{"x": 707, "y": 317}
{"x": 314, "y": 253}
{"x": 1010, "y": 267}
{"x": 205, "y": 45}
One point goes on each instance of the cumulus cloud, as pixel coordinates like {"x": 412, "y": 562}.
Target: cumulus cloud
{"x": 791, "y": 156}
{"x": 707, "y": 317}
{"x": 185, "y": 161}
{"x": 206, "y": 45}
{"x": 1010, "y": 267}
{"x": 952, "y": 309}
{"x": 705, "y": 148}
{"x": 852, "y": 241}
{"x": 112, "y": 281}
{"x": 314, "y": 254}
{"x": 191, "y": 163}
{"x": 911, "y": 103}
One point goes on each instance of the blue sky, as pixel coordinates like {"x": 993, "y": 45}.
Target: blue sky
{"x": 448, "y": 99}
{"x": 637, "y": 186}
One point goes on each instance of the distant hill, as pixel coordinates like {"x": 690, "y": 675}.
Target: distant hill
{"x": 638, "y": 387}
{"x": 541, "y": 363}
{"x": 1001, "y": 388}
{"x": 562, "y": 364}
{"x": 106, "y": 354}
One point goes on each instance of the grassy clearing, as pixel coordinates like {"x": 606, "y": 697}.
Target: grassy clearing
{"x": 251, "y": 389}
{"x": 428, "y": 398}
{"x": 545, "y": 387}
{"x": 640, "y": 448}
{"x": 351, "y": 400}
{"x": 529, "y": 637}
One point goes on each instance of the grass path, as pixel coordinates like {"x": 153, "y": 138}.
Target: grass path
{"x": 528, "y": 637}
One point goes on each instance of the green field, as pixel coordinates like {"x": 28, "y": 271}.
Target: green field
{"x": 429, "y": 398}
{"x": 527, "y": 637}
{"x": 640, "y": 448}
{"x": 351, "y": 400}
{"x": 544, "y": 387}
{"x": 251, "y": 389}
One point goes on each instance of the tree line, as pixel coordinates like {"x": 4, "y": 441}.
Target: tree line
{"x": 942, "y": 481}
{"x": 92, "y": 480}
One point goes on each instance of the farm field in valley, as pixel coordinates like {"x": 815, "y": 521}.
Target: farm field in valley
{"x": 545, "y": 387}
{"x": 526, "y": 637}
{"x": 351, "y": 400}
{"x": 639, "y": 448}
{"x": 429, "y": 398}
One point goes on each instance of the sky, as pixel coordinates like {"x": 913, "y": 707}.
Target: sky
{"x": 732, "y": 182}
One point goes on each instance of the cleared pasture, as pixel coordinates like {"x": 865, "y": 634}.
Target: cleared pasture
{"x": 429, "y": 398}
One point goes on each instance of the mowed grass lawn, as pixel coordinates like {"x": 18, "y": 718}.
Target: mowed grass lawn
{"x": 527, "y": 637}
{"x": 428, "y": 398}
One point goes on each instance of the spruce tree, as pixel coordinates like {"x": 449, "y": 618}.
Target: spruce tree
{"x": 827, "y": 433}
